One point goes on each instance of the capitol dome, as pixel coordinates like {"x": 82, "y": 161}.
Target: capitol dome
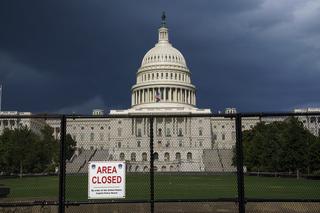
{"x": 163, "y": 53}
{"x": 163, "y": 79}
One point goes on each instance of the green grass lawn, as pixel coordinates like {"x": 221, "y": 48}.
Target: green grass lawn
{"x": 167, "y": 187}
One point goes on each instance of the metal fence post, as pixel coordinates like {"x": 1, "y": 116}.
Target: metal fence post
{"x": 151, "y": 167}
{"x": 62, "y": 169}
{"x": 240, "y": 175}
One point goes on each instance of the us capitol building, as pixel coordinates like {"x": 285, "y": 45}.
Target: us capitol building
{"x": 181, "y": 143}
{"x": 163, "y": 87}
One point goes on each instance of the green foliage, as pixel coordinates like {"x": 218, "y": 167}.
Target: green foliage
{"x": 281, "y": 147}
{"x": 23, "y": 151}
{"x": 70, "y": 146}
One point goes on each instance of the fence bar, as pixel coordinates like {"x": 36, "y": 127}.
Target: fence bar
{"x": 239, "y": 150}
{"x": 62, "y": 168}
{"x": 151, "y": 167}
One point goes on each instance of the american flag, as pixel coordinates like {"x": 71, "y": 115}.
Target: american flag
{"x": 158, "y": 97}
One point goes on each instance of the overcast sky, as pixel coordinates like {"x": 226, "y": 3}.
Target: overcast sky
{"x": 73, "y": 56}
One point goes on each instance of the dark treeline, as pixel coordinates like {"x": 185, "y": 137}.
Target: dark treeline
{"x": 282, "y": 146}
{"x": 23, "y": 151}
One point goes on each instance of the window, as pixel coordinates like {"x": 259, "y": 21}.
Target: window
{"x": 189, "y": 156}
{"x": 200, "y": 131}
{"x": 139, "y": 132}
{"x": 91, "y": 136}
{"x": 163, "y": 168}
{"x": 101, "y": 128}
{"x": 180, "y": 132}
{"x": 81, "y": 136}
{"x": 223, "y": 136}
{"x": 82, "y": 128}
{"x": 101, "y": 136}
{"x": 214, "y": 136}
{"x": 122, "y": 156}
{"x": 144, "y": 156}
{"x": 233, "y": 135}
{"x": 168, "y": 134}
{"x": 200, "y": 143}
{"x": 133, "y": 156}
{"x": 160, "y": 132}
{"x": 166, "y": 156}
{"x": 138, "y": 144}
{"x": 156, "y": 156}
{"x": 119, "y": 132}
{"x": 222, "y": 126}
{"x": 119, "y": 144}
{"x": 145, "y": 169}
{"x": 178, "y": 156}
{"x": 168, "y": 144}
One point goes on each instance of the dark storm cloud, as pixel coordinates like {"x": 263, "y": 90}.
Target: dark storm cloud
{"x": 73, "y": 56}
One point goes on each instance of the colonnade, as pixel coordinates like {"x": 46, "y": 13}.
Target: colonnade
{"x": 166, "y": 94}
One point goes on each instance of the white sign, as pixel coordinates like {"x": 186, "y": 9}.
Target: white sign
{"x": 106, "y": 179}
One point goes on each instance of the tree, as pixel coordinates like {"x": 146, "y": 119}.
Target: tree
{"x": 281, "y": 146}
{"x": 70, "y": 146}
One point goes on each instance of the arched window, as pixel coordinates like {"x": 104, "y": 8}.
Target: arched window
{"x": 91, "y": 136}
{"x": 160, "y": 132}
{"x": 136, "y": 169}
{"x": 200, "y": 131}
{"x": 171, "y": 168}
{"x": 166, "y": 156}
{"x": 145, "y": 169}
{"x": 214, "y": 136}
{"x": 178, "y": 156}
{"x": 163, "y": 168}
{"x": 180, "y": 132}
{"x": 189, "y": 156}
{"x": 144, "y": 156}
{"x": 122, "y": 156}
{"x": 138, "y": 143}
{"x": 133, "y": 156}
{"x": 156, "y": 156}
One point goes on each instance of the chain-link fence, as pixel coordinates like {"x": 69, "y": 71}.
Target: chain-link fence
{"x": 172, "y": 163}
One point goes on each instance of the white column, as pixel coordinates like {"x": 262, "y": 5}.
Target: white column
{"x": 170, "y": 94}
{"x": 176, "y": 94}
{"x": 185, "y": 96}
{"x": 136, "y": 94}
{"x": 132, "y": 100}
{"x": 195, "y": 98}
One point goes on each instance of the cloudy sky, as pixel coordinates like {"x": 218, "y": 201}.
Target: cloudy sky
{"x": 76, "y": 55}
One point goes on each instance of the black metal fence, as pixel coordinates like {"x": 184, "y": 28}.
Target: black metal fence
{"x": 249, "y": 162}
